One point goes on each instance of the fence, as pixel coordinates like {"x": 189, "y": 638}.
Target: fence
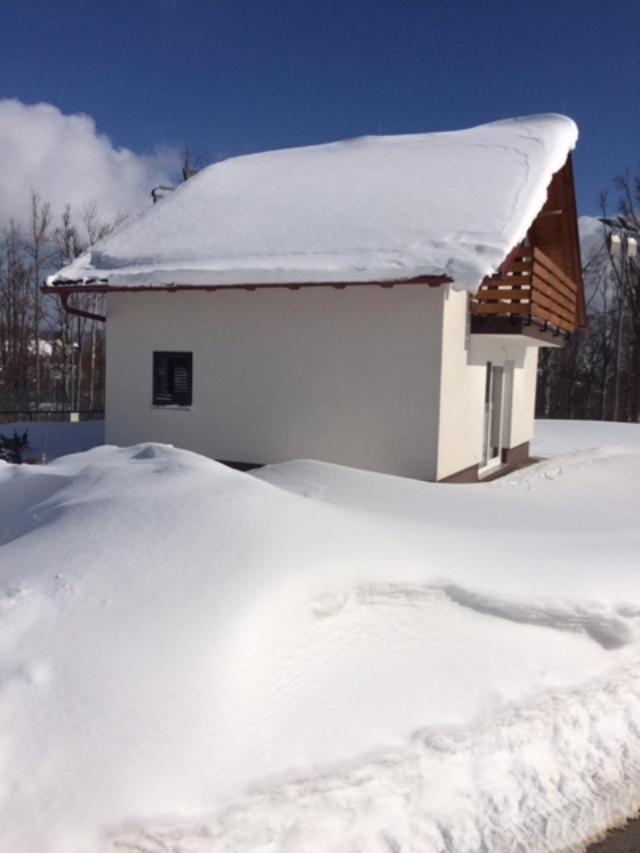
{"x": 10, "y": 416}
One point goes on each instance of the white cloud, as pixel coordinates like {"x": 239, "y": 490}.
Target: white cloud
{"x": 591, "y": 237}
{"x": 598, "y": 283}
{"x": 66, "y": 161}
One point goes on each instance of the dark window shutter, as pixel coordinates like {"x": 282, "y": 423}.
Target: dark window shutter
{"x": 172, "y": 378}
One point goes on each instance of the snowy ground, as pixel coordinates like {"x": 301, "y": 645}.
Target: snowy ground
{"x": 313, "y": 659}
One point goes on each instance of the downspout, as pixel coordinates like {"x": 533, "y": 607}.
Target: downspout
{"x": 63, "y": 295}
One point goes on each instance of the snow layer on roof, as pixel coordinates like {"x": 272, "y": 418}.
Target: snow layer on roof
{"x": 377, "y": 208}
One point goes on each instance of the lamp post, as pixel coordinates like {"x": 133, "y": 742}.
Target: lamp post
{"x": 622, "y": 243}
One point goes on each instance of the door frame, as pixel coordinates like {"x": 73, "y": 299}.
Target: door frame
{"x": 493, "y": 420}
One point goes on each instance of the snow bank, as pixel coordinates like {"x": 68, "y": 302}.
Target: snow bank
{"x": 314, "y": 658}
{"x": 381, "y": 208}
{"x": 542, "y": 779}
{"x": 554, "y": 437}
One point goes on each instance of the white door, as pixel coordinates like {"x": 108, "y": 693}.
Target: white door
{"x": 493, "y": 417}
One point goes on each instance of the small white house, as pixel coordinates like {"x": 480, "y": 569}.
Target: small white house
{"x": 377, "y": 303}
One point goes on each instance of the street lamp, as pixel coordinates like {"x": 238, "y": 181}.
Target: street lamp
{"x": 622, "y": 243}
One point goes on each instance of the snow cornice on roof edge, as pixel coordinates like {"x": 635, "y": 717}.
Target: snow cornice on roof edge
{"x": 447, "y": 206}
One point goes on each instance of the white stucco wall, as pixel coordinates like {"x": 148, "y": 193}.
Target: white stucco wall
{"x": 464, "y": 359}
{"x": 523, "y": 398}
{"x": 462, "y": 391}
{"x": 348, "y": 376}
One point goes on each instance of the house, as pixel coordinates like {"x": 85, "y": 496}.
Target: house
{"x": 377, "y": 303}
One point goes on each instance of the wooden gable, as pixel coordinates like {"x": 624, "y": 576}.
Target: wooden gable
{"x": 555, "y": 232}
{"x": 539, "y": 291}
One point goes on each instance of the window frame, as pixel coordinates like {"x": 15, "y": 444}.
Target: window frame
{"x": 170, "y": 398}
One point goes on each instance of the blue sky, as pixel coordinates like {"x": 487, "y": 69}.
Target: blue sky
{"x": 226, "y": 77}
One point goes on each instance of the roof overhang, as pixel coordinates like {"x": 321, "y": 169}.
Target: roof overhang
{"x": 65, "y": 289}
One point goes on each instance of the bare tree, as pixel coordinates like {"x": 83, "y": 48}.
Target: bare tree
{"x": 628, "y": 186}
{"x": 95, "y": 230}
{"x": 36, "y": 247}
{"x": 47, "y": 354}
{"x": 16, "y": 312}
{"x": 597, "y": 375}
{"x": 82, "y": 346}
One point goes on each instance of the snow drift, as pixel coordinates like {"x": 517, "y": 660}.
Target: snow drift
{"x": 317, "y": 659}
{"x": 378, "y": 208}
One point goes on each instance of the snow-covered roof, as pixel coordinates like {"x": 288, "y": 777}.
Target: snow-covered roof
{"x": 376, "y": 208}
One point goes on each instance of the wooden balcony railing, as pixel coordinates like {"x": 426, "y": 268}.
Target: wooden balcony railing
{"x": 535, "y": 289}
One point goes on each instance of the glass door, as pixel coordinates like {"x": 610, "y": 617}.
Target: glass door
{"x": 493, "y": 417}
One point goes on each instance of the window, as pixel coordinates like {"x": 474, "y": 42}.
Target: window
{"x": 172, "y": 378}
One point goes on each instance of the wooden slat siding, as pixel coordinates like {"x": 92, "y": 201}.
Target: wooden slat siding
{"x": 550, "y": 265}
{"x": 557, "y": 235}
{"x": 560, "y": 284}
{"x": 521, "y": 263}
{"x": 517, "y": 293}
{"x": 543, "y": 287}
{"x": 506, "y": 309}
{"x": 542, "y": 301}
{"x": 548, "y": 278}
{"x": 510, "y": 281}
{"x": 540, "y": 256}
{"x": 551, "y": 278}
{"x": 559, "y": 322}
{"x": 535, "y": 289}
{"x": 550, "y": 285}
{"x": 551, "y": 232}
{"x": 554, "y": 294}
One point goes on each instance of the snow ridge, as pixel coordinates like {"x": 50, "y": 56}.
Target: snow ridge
{"x": 455, "y": 791}
{"x": 611, "y": 630}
